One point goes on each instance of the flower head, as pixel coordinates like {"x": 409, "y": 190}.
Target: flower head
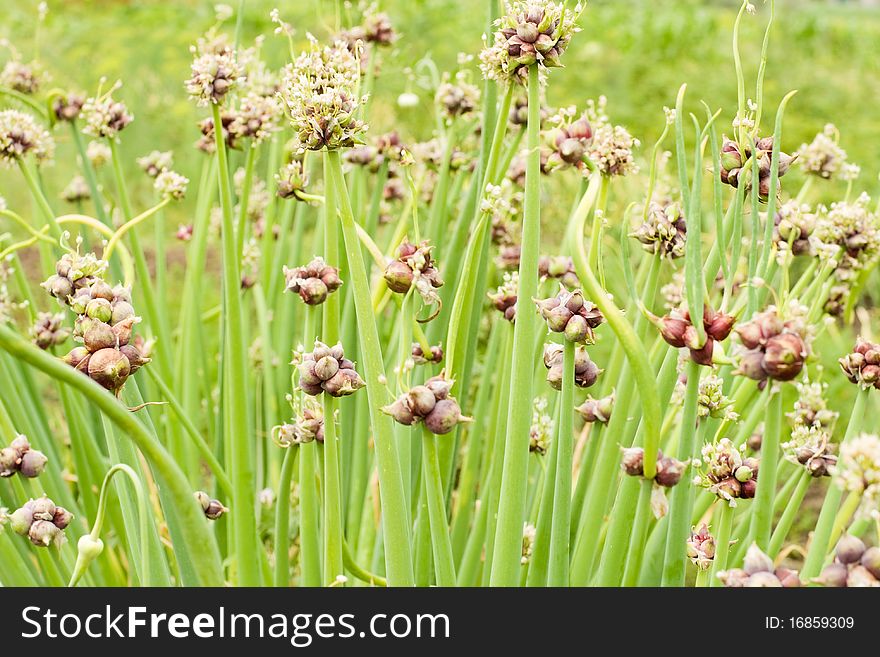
{"x": 726, "y": 473}
{"x": 170, "y": 184}
{"x": 21, "y": 135}
{"x": 664, "y": 230}
{"x": 858, "y": 468}
{"x": 823, "y": 157}
{"x": 155, "y": 162}
{"x": 530, "y": 32}
{"x": 214, "y": 75}
{"x": 319, "y": 91}
{"x": 104, "y": 117}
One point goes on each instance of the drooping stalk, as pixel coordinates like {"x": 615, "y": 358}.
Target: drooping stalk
{"x": 187, "y": 522}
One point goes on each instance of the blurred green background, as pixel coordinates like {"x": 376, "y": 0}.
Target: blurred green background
{"x": 636, "y": 52}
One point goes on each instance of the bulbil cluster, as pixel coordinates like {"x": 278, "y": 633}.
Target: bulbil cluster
{"x": 326, "y": 369}
{"x": 429, "y": 403}
{"x": 737, "y": 159}
{"x": 862, "y": 365}
{"x": 775, "y": 348}
{"x": 586, "y": 372}
{"x": 572, "y": 315}
{"x": 678, "y": 331}
{"x": 531, "y": 32}
{"x": 414, "y": 266}
{"x": 669, "y": 470}
{"x": 504, "y": 297}
{"x": 433, "y": 356}
{"x": 810, "y": 447}
{"x": 596, "y": 410}
{"x": 307, "y": 427}
{"x": 20, "y": 458}
{"x": 726, "y": 473}
{"x": 663, "y": 231}
{"x": 854, "y": 565}
{"x": 313, "y": 282}
{"x": 49, "y": 331}
{"x": 41, "y": 521}
{"x": 758, "y": 571}
{"x": 701, "y": 547}
{"x": 104, "y": 324}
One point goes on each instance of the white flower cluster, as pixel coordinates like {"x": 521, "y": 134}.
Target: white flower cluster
{"x": 858, "y": 469}
{"x": 320, "y": 93}
{"x": 20, "y": 135}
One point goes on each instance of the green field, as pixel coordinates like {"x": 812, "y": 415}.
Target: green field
{"x": 635, "y": 52}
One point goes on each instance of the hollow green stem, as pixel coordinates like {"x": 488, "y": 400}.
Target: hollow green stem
{"x": 511, "y": 509}
{"x": 235, "y": 426}
{"x": 560, "y": 532}
{"x": 398, "y": 552}
{"x": 723, "y": 517}
{"x": 762, "y": 510}
{"x": 444, "y": 565}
